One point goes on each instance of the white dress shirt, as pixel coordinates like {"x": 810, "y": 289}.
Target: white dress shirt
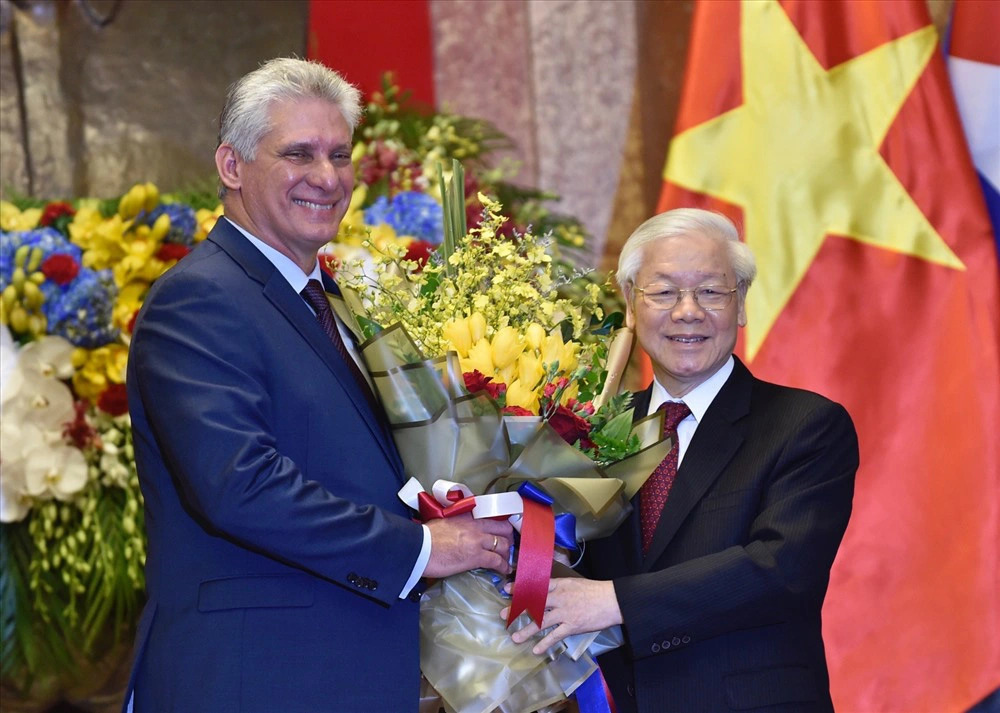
{"x": 697, "y": 399}
{"x": 298, "y": 280}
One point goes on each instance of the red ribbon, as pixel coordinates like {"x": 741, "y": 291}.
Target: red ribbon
{"x": 431, "y": 509}
{"x": 534, "y": 562}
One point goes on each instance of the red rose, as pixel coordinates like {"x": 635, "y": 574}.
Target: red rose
{"x": 55, "y": 210}
{"x": 568, "y": 425}
{"x": 419, "y": 251}
{"x": 62, "y": 269}
{"x": 172, "y": 251}
{"x": 114, "y": 400}
{"x": 517, "y": 411}
{"x": 476, "y": 381}
{"x": 496, "y": 389}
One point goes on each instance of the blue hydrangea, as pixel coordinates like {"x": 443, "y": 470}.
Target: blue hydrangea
{"x": 79, "y": 311}
{"x": 409, "y": 213}
{"x": 183, "y": 222}
{"x": 50, "y": 240}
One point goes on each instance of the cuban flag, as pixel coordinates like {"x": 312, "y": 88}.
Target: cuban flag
{"x": 974, "y": 66}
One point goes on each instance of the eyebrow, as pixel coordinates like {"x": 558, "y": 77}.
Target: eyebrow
{"x": 310, "y": 146}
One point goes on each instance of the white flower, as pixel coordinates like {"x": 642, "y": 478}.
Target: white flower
{"x": 17, "y": 441}
{"x": 8, "y": 360}
{"x": 14, "y": 503}
{"x": 39, "y": 400}
{"x": 50, "y": 356}
{"x": 58, "y": 470}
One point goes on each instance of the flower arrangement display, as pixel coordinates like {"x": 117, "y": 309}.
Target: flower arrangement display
{"x": 72, "y": 278}
{"x": 489, "y": 379}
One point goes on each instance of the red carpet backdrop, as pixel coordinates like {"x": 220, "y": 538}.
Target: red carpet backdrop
{"x": 829, "y": 131}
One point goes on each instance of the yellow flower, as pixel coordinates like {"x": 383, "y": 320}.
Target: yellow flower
{"x": 507, "y": 347}
{"x": 206, "y": 221}
{"x": 534, "y": 335}
{"x": 519, "y": 395}
{"x": 480, "y": 358}
{"x": 128, "y": 302}
{"x": 552, "y": 349}
{"x": 97, "y": 368}
{"x": 456, "y": 331}
{"x": 13, "y": 218}
{"x": 477, "y": 326}
{"x": 529, "y": 369}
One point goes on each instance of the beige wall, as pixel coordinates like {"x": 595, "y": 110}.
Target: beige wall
{"x": 88, "y": 110}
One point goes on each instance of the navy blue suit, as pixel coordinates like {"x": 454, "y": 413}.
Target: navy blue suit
{"x": 277, "y": 545}
{"x": 723, "y": 612}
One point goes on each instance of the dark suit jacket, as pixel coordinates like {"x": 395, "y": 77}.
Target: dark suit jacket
{"x": 277, "y": 545}
{"x": 724, "y": 611}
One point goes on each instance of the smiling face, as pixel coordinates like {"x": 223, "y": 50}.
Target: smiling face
{"x": 297, "y": 189}
{"x": 686, "y": 344}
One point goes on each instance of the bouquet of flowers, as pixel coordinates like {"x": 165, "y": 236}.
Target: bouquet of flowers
{"x": 72, "y": 277}
{"x": 488, "y": 378}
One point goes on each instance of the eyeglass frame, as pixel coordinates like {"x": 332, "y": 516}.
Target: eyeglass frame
{"x": 680, "y": 295}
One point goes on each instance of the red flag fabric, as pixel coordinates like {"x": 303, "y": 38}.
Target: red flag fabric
{"x": 363, "y": 40}
{"x": 829, "y": 132}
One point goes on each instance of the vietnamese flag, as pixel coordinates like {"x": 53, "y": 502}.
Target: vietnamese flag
{"x": 828, "y": 130}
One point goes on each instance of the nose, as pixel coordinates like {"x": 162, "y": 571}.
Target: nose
{"x": 687, "y": 308}
{"x": 323, "y": 175}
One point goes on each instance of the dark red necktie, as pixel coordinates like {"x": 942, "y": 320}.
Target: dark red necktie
{"x": 315, "y": 295}
{"x": 653, "y": 493}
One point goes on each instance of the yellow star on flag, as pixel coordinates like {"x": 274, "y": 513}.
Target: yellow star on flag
{"x": 801, "y": 156}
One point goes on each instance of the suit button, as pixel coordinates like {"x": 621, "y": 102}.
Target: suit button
{"x": 374, "y": 585}
{"x": 655, "y": 648}
{"x": 676, "y": 641}
{"x": 352, "y": 578}
{"x": 665, "y": 645}
{"x": 685, "y": 639}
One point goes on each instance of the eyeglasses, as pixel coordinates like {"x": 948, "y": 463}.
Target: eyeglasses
{"x": 708, "y": 297}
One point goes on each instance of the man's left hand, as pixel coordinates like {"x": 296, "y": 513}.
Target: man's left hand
{"x": 574, "y": 606}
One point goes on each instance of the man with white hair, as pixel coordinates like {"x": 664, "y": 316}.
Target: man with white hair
{"x": 282, "y": 565}
{"x": 718, "y": 576}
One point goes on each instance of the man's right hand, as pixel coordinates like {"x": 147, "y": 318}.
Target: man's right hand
{"x": 462, "y": 543}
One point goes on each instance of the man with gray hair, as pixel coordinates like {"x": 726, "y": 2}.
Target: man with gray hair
{"x": 282, "y": 566}
{"x": 718, "y": 576}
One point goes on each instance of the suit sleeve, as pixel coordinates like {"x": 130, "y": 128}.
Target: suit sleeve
{"x": 782, "y": 567}
{"x": 206, "y": 393}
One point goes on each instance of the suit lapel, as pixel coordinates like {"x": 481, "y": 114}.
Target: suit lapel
{"x": 277, "y": 290}
{"x": 718, "y": 436}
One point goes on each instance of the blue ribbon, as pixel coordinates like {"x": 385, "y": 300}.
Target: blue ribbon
{"x": 565, "y": 521}
{"x": 590, "y": 696}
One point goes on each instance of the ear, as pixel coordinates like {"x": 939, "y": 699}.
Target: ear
{"x": 629, "y": 311}
{"x": 227, "y": 163}
{"x": 741, "y": 315}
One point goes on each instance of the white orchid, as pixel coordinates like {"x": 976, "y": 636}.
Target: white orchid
{"x": 50, "y": 357}
{"x": 33, "y": 398}
{"x": 59, "y": 471}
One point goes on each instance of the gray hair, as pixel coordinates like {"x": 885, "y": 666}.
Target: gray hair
{"x": 245, "y": 118}
{"x": 685, "y": 221}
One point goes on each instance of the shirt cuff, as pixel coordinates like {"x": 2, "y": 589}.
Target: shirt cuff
{"x": 421, "y": 564}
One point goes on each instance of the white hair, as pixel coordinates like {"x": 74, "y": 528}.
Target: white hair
{"x": 246, "y": 116}
{"x": 685, "y": 221}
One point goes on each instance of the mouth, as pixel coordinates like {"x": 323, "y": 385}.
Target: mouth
{"x": 312, "y": 206}
{"x": 687, "y": 339}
